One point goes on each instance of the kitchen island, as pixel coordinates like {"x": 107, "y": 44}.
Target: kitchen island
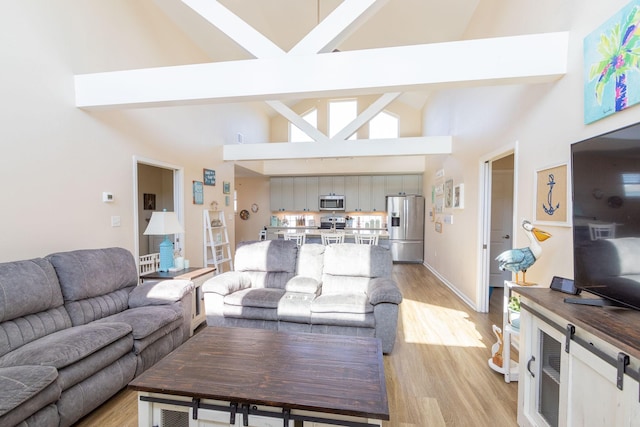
{"x": 313, "y": 233}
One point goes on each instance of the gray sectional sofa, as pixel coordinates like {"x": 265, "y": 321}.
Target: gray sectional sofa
{"x": 343, "y": 289}
{"x": 75, "y": 329}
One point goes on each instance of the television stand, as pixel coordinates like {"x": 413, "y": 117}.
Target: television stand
{"x": 596, "y": 302}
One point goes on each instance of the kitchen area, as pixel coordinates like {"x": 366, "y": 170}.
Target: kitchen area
{"x": 390, "y": 207}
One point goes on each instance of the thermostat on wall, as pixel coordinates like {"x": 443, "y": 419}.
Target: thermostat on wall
{"x": 107, "y": 197}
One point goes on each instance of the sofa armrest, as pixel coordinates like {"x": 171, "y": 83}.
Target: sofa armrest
{"x": 227, "y": 283}
{"x": 303, "y": 284}
{"x": 159, "y": 293}
{"x": 383, "y": 289}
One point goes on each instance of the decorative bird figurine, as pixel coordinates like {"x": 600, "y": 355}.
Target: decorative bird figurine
{"x": 517, "y": 260}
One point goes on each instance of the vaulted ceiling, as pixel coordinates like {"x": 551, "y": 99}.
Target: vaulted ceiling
{"x": 281, "y": 51}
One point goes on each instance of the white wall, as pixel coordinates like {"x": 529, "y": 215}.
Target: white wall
{"x": 57, "y": 160}
{"x": 541, "y": 121}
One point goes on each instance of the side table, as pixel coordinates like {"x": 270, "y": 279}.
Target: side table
{"x": 510, "y": 336}
{"x": 198, "y": 276}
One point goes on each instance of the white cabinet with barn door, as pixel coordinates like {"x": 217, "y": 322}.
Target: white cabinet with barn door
{"x": 572, "y": 373}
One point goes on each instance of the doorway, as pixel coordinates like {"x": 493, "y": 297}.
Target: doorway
{"x": 498, "y": 225}
{"x": 157, "y": 186}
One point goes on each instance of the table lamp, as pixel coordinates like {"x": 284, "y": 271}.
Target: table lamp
{"x": 162, "y": 224}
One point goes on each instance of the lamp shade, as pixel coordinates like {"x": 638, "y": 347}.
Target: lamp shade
{"x": 162, "y": 223}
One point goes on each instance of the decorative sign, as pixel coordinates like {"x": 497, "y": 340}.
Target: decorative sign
{"x": 226, "y": 187}
{"x": 198, "y": 193}
{"x": 209, "y": 177}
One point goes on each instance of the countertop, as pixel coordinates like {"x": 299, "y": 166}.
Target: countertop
{"x": 315, "y": 231}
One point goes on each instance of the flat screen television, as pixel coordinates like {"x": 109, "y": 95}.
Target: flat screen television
{"x": 606, "y": 216}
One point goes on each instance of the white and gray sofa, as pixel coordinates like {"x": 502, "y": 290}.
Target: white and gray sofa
{"x": 75, "y": 329}
{"x": 342, "y": 289}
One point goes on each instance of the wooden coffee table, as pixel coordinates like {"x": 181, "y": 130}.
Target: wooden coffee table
{"x": 254, "y": 377}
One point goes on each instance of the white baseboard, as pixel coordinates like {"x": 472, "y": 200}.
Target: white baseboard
{"x": 449, "y": 285}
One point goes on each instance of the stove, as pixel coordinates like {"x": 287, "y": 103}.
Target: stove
{"x": 327, "y": 222}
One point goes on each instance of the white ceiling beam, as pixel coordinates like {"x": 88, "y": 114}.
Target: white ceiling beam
{"x": 298, "y": 121}
{"x": 338, "y": 25}
{"x": 364, "y": 117}
{"x": 519, "y": 59}
{"x": 233, "y": 26}
{"x": 416, "y": 146}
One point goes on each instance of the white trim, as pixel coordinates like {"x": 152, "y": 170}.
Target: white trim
{"x": 453, "y": 289}
{"x": 484, "y": 218}
{"x": 178, "y": 199}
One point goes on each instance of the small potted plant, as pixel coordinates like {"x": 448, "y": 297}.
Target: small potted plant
{"x": 514, "y": 311}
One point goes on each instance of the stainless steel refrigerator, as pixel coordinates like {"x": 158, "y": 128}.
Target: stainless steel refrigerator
{"x": 405, "y": 221}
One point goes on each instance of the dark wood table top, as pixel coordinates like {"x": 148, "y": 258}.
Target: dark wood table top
{"x": 618, "y": 326}
{"x": 315, "y": 372}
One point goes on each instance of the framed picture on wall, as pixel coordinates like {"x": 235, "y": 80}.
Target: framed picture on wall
{"x": 149, "y": 201}
{"x": 448, "y": 193}
{"x": 226, "y": 187}
{"x": 209, "y": 177}
{"x": 198, "y": 193}
{"x": 458, "y": 196}
{"x": 551, "y": 196}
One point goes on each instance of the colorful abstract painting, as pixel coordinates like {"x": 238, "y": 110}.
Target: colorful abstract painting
{"x": 612, "y": 65}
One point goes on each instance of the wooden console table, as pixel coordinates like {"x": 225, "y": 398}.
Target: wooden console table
{"x": 239, "y": 376}
{"x": 579, "y": 365}
{"x": 198, "y": 276}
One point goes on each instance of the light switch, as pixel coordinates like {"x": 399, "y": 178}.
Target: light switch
{"x": 115, "y": 221}
{"x": 107, "y": 197}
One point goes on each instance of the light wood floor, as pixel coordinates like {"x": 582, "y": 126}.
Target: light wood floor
{"x": 437, "y": 374}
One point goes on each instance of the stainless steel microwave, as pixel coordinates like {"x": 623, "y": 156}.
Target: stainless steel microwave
{"x": 331, "y": 202}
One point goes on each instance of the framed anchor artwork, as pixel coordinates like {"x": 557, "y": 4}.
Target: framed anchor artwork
{"x": 551, "y": 191}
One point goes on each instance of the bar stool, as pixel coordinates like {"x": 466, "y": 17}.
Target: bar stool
{"x": 366, "y": 239}
{"x": 329, "y": 238}
{"x": 300, "y": 238}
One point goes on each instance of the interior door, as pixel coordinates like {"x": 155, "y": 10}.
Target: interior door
{"x": 500, "y": 238}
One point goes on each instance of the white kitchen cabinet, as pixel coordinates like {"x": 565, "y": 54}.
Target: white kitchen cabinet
{"x": 312, "y": 194}
{"x": 403, "y": 184}
{"x": 378, "y": 193}
{"x": 393, "y": 185}
{"x": 412, "y": 184}
{"x": 364, "y": 193}
{"x": 300, "y": 193}
{"x": 569, "y": 364}
{"x": 351, "y": 193}
{"x": 331, "y": 185}
{"x": 281, "y": 192}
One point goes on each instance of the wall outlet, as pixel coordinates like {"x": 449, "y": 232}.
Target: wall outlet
{"x": 107, "y": 197}
{"x": 115, "y": 221}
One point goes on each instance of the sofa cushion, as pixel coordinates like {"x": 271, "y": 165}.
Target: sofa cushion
{"x": 311, "y": 260}
{"x": 144, "y": 321}
{"x": 261, "y": 297}
{"x": 267, "y": 255}
{"x": 21, "y": 383}
{"x": 341, "y": 303}
{"x": 87, "y": 310}
{"x": 350, "y": 259}
{"x": 27, "y": 287}
{"x": 295, "y": 307}
{"x": 92, "y": 272}
{"x": 227, "y": 282}
{"x": 23, "y": 330}
{"x": 160, "y": 293}
{"x": 65, "y": 347}
{"x": 303, "y": 284}
{"x": 244, "y": 313}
